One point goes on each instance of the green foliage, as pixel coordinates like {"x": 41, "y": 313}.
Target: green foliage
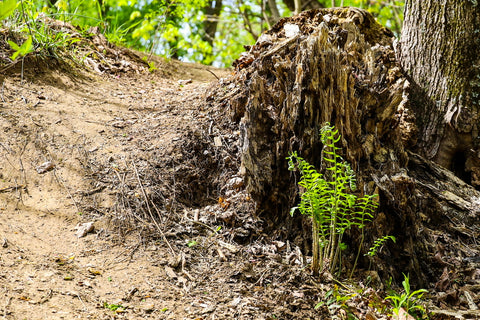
{"x": 192, "y": 243}
{"x": 377, "y": 244}
{"x": 336, "y": 299}
{"x": 113, "y": 307}
{"x": 409, "y": 300}
{"x": 173, "y": 28}
{"x": 6, "y": 8}
{"x": 26, "y": 21}
{"x": 22, "y": 50}
{"x": 329, "y": 200}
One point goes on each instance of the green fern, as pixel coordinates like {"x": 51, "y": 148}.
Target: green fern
{"x": 377, "y": 244}
{"x": 329, "y": 200}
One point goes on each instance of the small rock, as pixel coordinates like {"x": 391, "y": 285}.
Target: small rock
{"x": 217, "y": 141}
{"x": 170, "y": 272}
{"x": 84, "y": 229}
{"x": 184, "y": 82}
{"x": 45, "y": 167}
{"x": 148, "y": 308}
{"x": 119, "y": 124}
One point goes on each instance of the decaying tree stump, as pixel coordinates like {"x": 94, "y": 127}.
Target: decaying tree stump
{"x": 334, "y": 66}
{"x": 338, "y": 66}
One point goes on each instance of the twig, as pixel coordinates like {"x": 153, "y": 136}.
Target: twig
{"x": 132, "y": 250}
{"x": 199, "y": 68}
{"x": 149, "y": 210}
{"x": 65, "y": 187}
{"x": 5, "y": 312}
{"x": 3, "y": 87}
{"x": 8, "y": 67}
{"x": 21, "y": 78}
{"x": 12, "y": 188}
{"x": 80, "y": 298}
{"x": 213, "y": 74}
{"x": 201, "y": 224}
{"x": 22, "y": 169}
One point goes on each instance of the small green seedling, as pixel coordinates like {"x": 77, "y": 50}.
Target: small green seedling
{"x": 22, "y": 50}
{"x": 378, "y": 244}
{"x": 192, "y": 243}
{"x": 409, "y": 301}
{"x": 113, "y": 307}
{"x": 335, "y": 300}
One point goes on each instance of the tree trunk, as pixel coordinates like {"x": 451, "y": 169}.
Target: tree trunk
{"x": 439, "y": 51}
{"x": 305, "y": 5}
{"x": 272, "y": 5}
{"x": 337, "y": 68}
{"x": 210, "y": 25}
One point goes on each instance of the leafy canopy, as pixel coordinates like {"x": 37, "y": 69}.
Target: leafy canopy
{"x": 206, "y": 31}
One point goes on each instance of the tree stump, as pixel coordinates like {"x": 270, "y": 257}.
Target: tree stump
{"x": 338, "y": 65}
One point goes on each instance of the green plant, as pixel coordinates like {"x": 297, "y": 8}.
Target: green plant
{"x": 336, "y": 299}
{"x": 377, "y": 244}
{"x": 192, "y": 243}
{"x": 151, "y": 64}
{"x": 366, "y": 207}
{"x": 6, "y": 8}
{"x": 408, "y": 300}
{"x": 113, "y": 307}
{"x": 329, "y": 200}
{"x": 47, "y": 37}
{"x": 22, "y": 50}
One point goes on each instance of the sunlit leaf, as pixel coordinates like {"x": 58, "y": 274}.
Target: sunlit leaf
{"x": 6, "y": 8}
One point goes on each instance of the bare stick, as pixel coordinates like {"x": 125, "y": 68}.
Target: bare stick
{"x": 3, "y": 87}
{"x": 213, "y": 74}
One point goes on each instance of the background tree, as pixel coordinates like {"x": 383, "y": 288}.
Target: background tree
{"x": 439, "y": 45}
{"x": 203, "y": 31}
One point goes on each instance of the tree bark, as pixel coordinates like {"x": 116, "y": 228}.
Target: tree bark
{"x": 439, "y": 51}
{"x": 338, "y": 68}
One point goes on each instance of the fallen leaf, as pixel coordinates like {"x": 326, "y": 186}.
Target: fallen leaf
{"x": 402, "y": 315}
{"x": 94, "y": 271}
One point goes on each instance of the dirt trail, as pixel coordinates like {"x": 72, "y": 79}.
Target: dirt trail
{"x": 46, "y": 271}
